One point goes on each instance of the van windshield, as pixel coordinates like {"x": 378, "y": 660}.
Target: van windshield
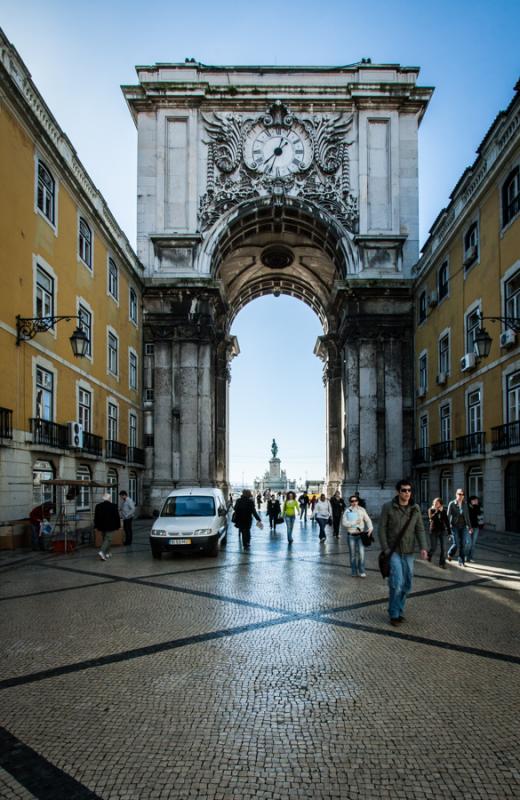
{"x": 198, "y": 506}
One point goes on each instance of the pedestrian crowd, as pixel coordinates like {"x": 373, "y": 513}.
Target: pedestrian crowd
{"x": 453, "y": 531}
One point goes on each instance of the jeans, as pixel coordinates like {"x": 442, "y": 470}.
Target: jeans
{"x": 289, "y": 521}
{"x": 246, "y": 536}
{"x": 272, "y": 521}
{"x": 322, "y": 522}
{"x": 335, "y": 524}
{"x": 127, "y": 527}
{"x": 472, "y": 543}
{"x": 36, "y": 539}
{"x": 399, "y": 583}
{"x": 107, "y": 542}
{"x": 460, "y": 539}
{"x": 303, "y": 512}
{"x": 434, "y": 538}
{"x": 357, "y": 554}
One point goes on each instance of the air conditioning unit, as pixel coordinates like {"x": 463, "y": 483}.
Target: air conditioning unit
{"x": 421, "y": 392}
{"x": 507, "y": 338}
{"x": 470, "y": 255}
{"x": 467, "y": 362}
{"x": 433, "y": 299}
{"x": 442, "y": 377}
{"x": 75, "y": 435}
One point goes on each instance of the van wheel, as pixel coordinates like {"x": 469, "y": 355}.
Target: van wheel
{"x": 156, "y": 552}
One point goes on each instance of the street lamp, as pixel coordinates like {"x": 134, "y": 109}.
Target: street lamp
{"x": 28, "y": 327}
{"x": 482, "y": 338}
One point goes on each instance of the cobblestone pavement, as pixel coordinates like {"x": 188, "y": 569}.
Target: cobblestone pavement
{"x": 266, "y": 674}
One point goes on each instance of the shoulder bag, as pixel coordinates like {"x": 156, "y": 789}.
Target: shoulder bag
{"x": 384, "y": 558}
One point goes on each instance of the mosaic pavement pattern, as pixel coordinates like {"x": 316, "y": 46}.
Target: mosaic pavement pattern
{"x": 267, "y": 674}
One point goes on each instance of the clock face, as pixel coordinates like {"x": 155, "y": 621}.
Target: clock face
{"x": 278, "y": 152}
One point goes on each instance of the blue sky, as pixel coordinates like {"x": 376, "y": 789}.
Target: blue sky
{"x": 79, "y": 53}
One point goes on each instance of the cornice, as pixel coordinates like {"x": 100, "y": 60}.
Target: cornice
{"x": 35, "y": 113}
{"x": 494, "y": 150}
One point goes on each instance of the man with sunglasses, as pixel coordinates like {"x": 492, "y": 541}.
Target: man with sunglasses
{"x": 397, "y": 514}
{"x": 460, "y": 526}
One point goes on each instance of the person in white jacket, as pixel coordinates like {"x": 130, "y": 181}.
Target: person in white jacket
{"x": 322, "y": 515}
{"x": 355, "y": 519}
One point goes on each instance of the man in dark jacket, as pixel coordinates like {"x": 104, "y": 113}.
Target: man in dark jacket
{"x": 243, "y": 516}
{"x": 106, "y": 520}
{"x": 394, "y": 516}
{"x": 36, "y": 517}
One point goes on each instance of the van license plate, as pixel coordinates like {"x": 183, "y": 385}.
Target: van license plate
{"x": 179, "y": 541}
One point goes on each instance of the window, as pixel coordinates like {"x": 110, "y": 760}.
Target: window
{"x": 113, "y": 481}
{"x": 113, "y": 279}
{"x": 471, "y": 245}
{"x": 83, "y": 474}
{"x": 472, "y": 326}
{"x": 444, "y": 354}
{"x": 44, "y": 293}
{"x": 513, "y": 397}
{"x": 133, "y": 305}
{"x": 423, "y": 372}
{"x": 446, "y": 490}
{"x": 474, "y": 412}
{"x": 443, "y": 280}
{"x": 132, "y": 430}
{"x": 475, "y": 481}
{"x": 112, "y": 422}
{"x": 511, "y": 196}
{"x": 42, "y": 471}
{"x": 113, "y": 345}
{"x": 148, "y": 373}
{"x": 44, "y": 394}
{"x": 423, "y": 491}
{"x": 132, "y": 370}
{"x": 512, "y": 296}
{"x": 423, "y": 432}
{"x": 422, "y": 307}
{"x": 46, "y": 193}
{"x": 85, "y": 323}
{"x": 85, "y": 409}
{"x": 85, "y": 242}
{"x": 445, "y": 415}
{"x": 132, "y": 486}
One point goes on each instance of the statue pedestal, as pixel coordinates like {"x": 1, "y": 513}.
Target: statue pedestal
{"x": 274, "y": 469}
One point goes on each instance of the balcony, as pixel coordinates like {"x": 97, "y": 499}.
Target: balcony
{"x": 136, "y": 456}
{"x": 48, "y": 433}
{"x": 6, "y": 423}
{"x": 115, "y": 450}
{"x": 506, "y": 436}
{"x": 471, "y": 445}
{"x": 421, "y": 456}
{"x": 92, "y": 444}
{"x": 442, "y": 450}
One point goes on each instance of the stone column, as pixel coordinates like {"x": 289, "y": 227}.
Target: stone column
{"x": 328, "y": 350}
{"x": 162, "y": 422}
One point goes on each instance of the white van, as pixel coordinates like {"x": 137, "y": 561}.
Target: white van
{"x": 190, "y": 519}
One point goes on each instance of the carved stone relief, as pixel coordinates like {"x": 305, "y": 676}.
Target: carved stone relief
{"x": 278, "y": 154}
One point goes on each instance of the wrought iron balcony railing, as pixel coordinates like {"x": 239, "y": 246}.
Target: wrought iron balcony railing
{"x": 50, "y": 434}
{"x": 135, "y": 456}
{"x": 506, "y": 436}
{"x": 115, "y": 450}
{"x": 471, "y": 445}
{"x": 421, "y": 455}
{"x": 92, "y": 444}
{"x": 6, "y": 423}
{"x": 442, "y": 450}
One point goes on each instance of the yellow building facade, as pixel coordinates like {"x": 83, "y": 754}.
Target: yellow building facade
{"x": 468, "y": 278}
{"x": 62, "y": 254}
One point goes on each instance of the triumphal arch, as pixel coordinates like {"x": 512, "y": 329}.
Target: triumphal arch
{"x": 281, "y": 180}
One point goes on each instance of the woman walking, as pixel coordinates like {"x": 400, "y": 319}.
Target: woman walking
{"x": 356, "y": 520}
{"x": 322, "y": 515}
{"x": 439, "y": 529}
{"x": 273, "y": 512}
{"x": 243, "y": 516}
{"x": 290, "y": 509}
{"x": 338, "y": 507}
{"x": 476, "y": 517}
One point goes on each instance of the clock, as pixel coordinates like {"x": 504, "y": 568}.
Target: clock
{"x": 277, "y": 151}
